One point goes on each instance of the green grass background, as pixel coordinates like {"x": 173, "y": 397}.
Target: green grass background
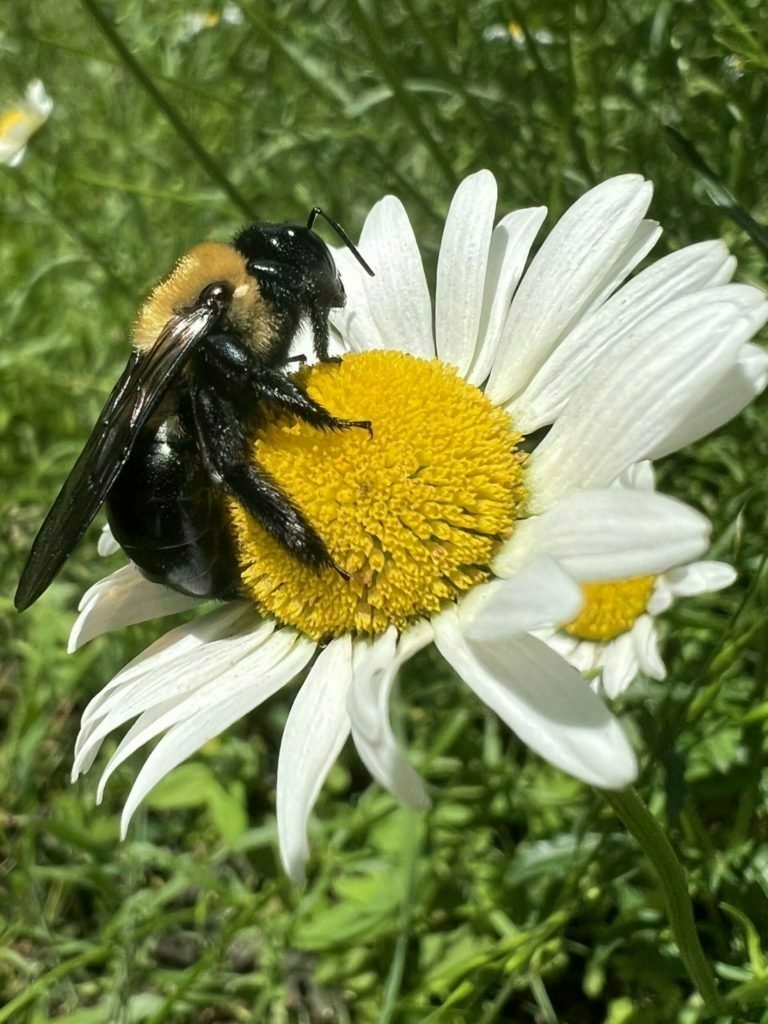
{"x": 520, "y": 897}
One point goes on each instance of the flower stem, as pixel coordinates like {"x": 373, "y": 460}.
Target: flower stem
{"x": 639, "y": 821}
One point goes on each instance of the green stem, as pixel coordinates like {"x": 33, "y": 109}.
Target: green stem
{"x": 639, "y": 821}
{"x": 202, "y": 156}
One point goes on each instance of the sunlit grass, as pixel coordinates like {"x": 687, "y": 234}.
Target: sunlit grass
{"x": 520, "y": 897}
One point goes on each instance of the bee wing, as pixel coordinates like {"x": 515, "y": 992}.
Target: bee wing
{"x": 141, "y": 386}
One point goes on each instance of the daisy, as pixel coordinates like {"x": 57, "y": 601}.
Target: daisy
{"x": 20, "y": 123}
{"x": 196, "y": 22}
{"x": 614, "y": 636}
{"x": 450, "y": 532}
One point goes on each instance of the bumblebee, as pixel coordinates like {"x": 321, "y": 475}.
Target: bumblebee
{"x": 210, "y": 344}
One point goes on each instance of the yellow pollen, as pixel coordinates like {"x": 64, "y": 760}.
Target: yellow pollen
{"x": 611, "y": 609}
{"x": 413, "y": 514}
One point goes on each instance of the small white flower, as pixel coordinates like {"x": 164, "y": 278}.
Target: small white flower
{"x": 614, "y": 636}
{"x": 198, "y": 21}
{"x": 512, "y": 31}
{"x": 621, "y": 372}
{"x": 18, "y": 124}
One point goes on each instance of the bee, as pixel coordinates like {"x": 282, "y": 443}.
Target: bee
{"x": 210, "y": 345}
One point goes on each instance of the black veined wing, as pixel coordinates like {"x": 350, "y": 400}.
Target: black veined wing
{"x": 141, "y": 387}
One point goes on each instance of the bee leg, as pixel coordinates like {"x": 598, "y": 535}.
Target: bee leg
{"x": 277, "y": 388}
{"x": 318, "y": 318}
{"x": 276, "y": 513}
{"x": 226, "y": 454}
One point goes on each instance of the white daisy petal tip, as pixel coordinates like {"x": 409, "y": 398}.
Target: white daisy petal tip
{"x": 461, "y": 270}
{"x": 544, "y": 701}
{"x": 38, "y": 98}
{"x": 700, "y": 578}
{"x": 107, "y": 545}
{"x": 389, "y": 244}
{"x": 295, "y": 865}
{"x": 124, "y": 598}
{"x": 624, "y": 769}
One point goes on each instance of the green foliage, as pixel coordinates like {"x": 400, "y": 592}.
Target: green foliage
{"x": 519, "y": 897}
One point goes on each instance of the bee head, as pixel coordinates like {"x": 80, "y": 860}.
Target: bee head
{"x": 291, "y": 264}
{"x": 296, "y": 273}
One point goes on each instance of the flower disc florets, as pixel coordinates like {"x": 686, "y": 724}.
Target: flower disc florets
{"x": 414, "y": 514}
{"x": 611, "y": 609}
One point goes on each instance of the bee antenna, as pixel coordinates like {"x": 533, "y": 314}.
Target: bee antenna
{"x": 316, "y": 212}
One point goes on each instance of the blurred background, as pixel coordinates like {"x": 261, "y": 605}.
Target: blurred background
{"x": 519, "y": 897}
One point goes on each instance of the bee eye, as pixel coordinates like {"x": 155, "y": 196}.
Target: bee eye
{"x": 218, "y": 291}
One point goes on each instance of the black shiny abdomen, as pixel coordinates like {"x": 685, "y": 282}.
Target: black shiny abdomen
{"x": 168, "y": 515}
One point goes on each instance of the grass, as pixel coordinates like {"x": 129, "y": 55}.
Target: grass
{"x": 520, "y": 897}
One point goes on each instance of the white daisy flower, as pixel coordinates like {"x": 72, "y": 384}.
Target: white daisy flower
{"x": 195, "y": 22}
{"x": 451, "y": 534}
{"x": 19, "y": 123}
{"x": 614, "y": 636}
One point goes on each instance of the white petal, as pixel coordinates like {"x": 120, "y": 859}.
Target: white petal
{"x": 641, "y": 389}
{"x": 640, "y": 476}
{"x": 640, "y": 244}
{"x": 10, "y": 153}
{"x": 16, "y": 159}
{"x": 568, "y": 273}
{"x": 700, "y": 578}
{"x": 176, "y": 644}
{"x": 376, "y": 664}
{"x": 226, "y": 703}
{"x": 511, "y": 243}
{"x": 107, "y": 545}
{"x": 316, "y": 730}
{"x": 646, "y": 644}
{"x": 662, "y": 597}
{"x": 688, "y": 270}
{"x": 123, "y": 599}
{"x": 186, "y": 680}
{"x": 541, "y": 594}
{"x": 586, "y": 656}
{"x": 544, "y": 701}
{"x": 230, "y": 675}
{"x": 355, "y": 321}
{"x": 741, "y": 383}
{"x": 559, "y": 641}
{"x": 461, "y": 269}
{"x": 398, "y": 296}
{"x": 583, "y": 655}
{"x": 619, "y": 665}
{"x": 39, "y": 99}
{"x": 610, "y": 534}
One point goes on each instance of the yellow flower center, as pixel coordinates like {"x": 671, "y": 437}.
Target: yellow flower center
{"x": 414, "y": 514}
{"x": 611, "y": 609}
{"x": 11, "y": 119}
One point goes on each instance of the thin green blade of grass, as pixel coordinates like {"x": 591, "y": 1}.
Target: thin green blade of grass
{"x": 716, "y": 189}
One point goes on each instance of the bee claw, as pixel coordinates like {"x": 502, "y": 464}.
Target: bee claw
{"x": 342, "y": 572}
